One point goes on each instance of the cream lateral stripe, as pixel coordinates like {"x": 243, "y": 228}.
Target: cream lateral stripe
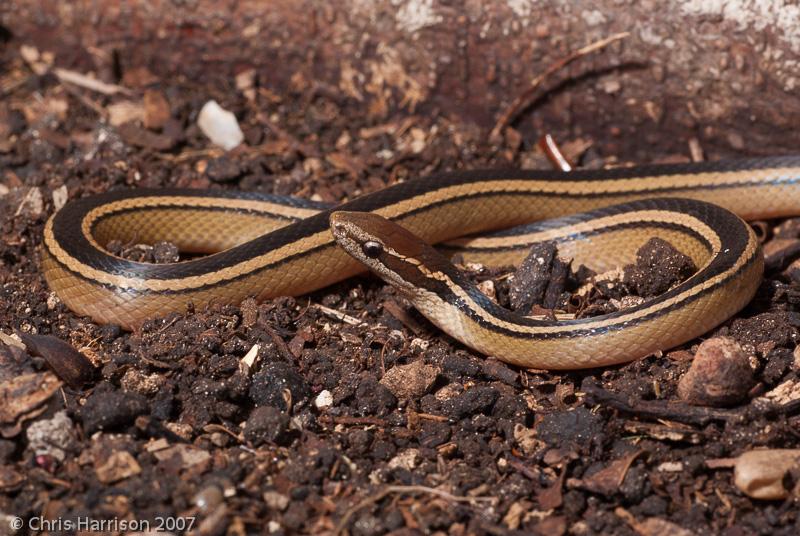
{"x": 174, "y": 285}
{"x": 252, "y": 205}
{"x": 262, "y": 207}
{"x": 651, "y": 184}
{"x": 588, "y": 326}
{"x": 398, "y": 209}
{"x": 640, "y": 216}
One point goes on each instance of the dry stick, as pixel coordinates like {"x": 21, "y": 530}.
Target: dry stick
{"x": 93, "y": 84}
{"x": 526, "y": 98}
{"x": 406, "y": 489}
{"x": 656, "y": 409}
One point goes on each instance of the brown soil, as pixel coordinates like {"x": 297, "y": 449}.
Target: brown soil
{"x": 173, "y": 426}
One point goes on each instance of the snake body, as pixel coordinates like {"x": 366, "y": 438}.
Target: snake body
{"x": 265, "y": 246}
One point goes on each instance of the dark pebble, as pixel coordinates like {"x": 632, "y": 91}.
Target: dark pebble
{"x": 778, "y": 328}
{"x": 578, "y": 427}
{"x": 268, "y": 385}
{"x": 454, "y": 366}
{"x": 359, "y": 440}
{"x": 266, "y": 424}
{"x": 652, "y": 506}
{"x": 372, "y": 398}
{"x": 296, "y": 516}
{"x": 532, "y": 278}
{"x": 7, "y": 449}
{"x": 779, "y": 361}
{"x": 476, "y": 400}
{"x": 382, "y": 450}
{"x": 299, "y": 493}
{"x": 434, "y": 434}
{"x": 394, "y": 520}
{"x": 111, "y": 410}
{"x": 634, "y": 486}
{"x": 658, "y": 267}
{"x": 165, "y": 253}
{"x": 109, "y": 332}
{"x": 574, "y": 503}
{"x": 497, "y": 370}
{"x": 223, "y": 169}
{"x": 511, "y": 407}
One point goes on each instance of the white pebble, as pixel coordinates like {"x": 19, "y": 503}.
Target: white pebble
{"x": 324, "y": 399}
{"x": 220, "y": 126}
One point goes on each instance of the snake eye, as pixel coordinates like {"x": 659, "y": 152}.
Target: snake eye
{"x": 372, "y": 249}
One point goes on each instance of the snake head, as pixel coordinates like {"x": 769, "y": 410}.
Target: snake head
{"x": 395, "y": 254}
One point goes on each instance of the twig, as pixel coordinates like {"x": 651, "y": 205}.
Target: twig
{"x": 337, "y": 315}
{"x": 681, "y": 412}
{"x": 80, "y": 79}
{"x": 518, "y": 464}
{"x": 526, "y": 98}
{"x": 656, "y": 409}
{"x": 554, "y": 154}
{"x": 280, "y": 344}
{"x": 407, "y": 489}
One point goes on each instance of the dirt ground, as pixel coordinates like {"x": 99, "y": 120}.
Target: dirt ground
{"x": 357, "y": 416}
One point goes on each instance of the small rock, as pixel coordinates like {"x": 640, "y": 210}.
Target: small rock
{"x": 372, "y": 398}
{"x": 165, "y": 253}
{"x": 574, "y": 427}
{"x": 184, "y": 456}
{"x": 779, "y": 362}
{"x": 271, "y": 383}
{"x": 105, "y": 411}
{"x": 434, "y": 434}
{"x": 471, "y": 402}
{"x": 119, "y": 465}
{"x": 761, "y": 474}
{"x": 123, "y": 112}
{"x": 658, "y": 267}
{"x": 720, "y": 374}
{"x": 275, "y": 500}
{"x": 134, "y": 135}
{"x": 156, "y": 109}
{"x": 497, "y": 370}
{"x": 410, "y": 381}
{"x": 531, "y": 278}
{"x": 406, "y": 459}
{"x": 220, "y": 126}
{"x": 767, "y": 330}
{"x": 60, "y": 196}
{"x": 208, "y": 498}
{"x": 526, "y": 439}
{"x": 51, "y": 437}
{"x": 223, "y": 169}
{"x": 324, "y": 399}
{"x": 266, "y": 424}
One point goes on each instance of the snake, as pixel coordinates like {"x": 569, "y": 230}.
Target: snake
{"x": 264, "y": 246}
